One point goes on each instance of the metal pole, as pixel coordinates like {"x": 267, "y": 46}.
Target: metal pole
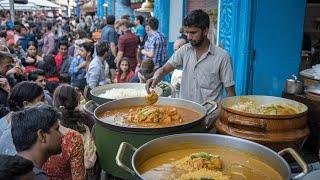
{"x": 12, "y": 10}
{"x": 68, "y": 10}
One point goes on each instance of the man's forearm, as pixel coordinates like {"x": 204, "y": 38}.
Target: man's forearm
{"x": 119, "y": 57}
{"x": 147, "y": 53}
{"x": 160, "y": 73}
{"x": 230, "y": 91}
{"x": 113, "y": 49}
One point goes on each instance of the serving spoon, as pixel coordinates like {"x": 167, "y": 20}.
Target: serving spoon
{"x": 151, "y": 98}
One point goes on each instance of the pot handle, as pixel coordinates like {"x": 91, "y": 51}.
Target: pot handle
{"x": 87, "y": 104}
{"x": 299, "y": 160}
{"x": 120, "y": 155}
{"x": 213, "y": 104}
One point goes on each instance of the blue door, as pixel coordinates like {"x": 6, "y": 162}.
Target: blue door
{"x": 277, "y": 40}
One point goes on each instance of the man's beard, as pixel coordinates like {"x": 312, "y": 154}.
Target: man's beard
{"x": 196, "y": 43}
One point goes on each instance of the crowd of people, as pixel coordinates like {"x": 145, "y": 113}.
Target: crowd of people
{"x": 52, "y": 62}
{"x": 45, "y": 67}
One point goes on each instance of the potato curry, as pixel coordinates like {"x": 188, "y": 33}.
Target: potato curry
{"x": 152, "y": 116}
{"x": 211, "y": 163}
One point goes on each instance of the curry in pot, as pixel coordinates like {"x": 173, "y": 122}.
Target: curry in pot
{"x": 211, "y": 163}
{"x": 153, "y": 116}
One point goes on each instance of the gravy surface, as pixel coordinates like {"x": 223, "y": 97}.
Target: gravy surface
{"x": 238, "y": 165}
{"x": 117, "y": 117}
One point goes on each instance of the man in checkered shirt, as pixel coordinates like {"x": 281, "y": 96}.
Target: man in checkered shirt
{"x": 156, "y": 45}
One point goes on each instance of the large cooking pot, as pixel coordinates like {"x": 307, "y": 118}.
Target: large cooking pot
{"x": 108, "y": 136}
{"x": 274, "y": 131}
{"x": 189, "y": 141}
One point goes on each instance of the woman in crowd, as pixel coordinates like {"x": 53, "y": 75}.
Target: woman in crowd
{"x": 32, "y": 58}
{"x": 125, "y": 74}
{"x": 52, "y": 75}
{"x": 78, "y": 149}
{"x": 23, "y": 94}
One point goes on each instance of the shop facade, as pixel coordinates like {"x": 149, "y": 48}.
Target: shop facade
{"x": 263, "y": 38}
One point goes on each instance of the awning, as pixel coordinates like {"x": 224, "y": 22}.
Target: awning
{"x": 44, "y": 3}
{"x": 4, "y": 4}
{"x": 62, "y": 2}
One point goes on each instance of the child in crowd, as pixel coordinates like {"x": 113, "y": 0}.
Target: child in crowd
{"x": 145, "y": 71}
{"x": 125, "y": 74}
{"x": 78, "y": 149}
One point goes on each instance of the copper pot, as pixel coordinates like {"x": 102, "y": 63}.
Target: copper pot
{"x": 275, "y": 131}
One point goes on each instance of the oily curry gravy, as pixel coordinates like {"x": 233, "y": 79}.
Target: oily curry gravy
{"x": 191, "y": 164}
{"x": 158, "y": 116}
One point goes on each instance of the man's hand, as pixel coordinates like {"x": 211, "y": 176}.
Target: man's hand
{"x": 82, "y": 65}
{"x": 5, "y": 84}
{"x": 151, "y": 84}
{"x": 15, "y": 70}
{"x": 158, "y": 76}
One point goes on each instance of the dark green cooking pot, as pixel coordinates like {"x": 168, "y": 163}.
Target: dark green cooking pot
{"x": 108, "y": 136}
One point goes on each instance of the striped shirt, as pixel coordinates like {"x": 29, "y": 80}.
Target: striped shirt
{"x": 157, "y": 44}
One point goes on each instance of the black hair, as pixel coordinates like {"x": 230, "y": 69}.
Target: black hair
{"x": 66, "y": 98}
{"x": 17, "y": 28}
{"x": 111, "y": 19}
{"x": 26, "y": 123}
{"x": 197, "y": 18}
{"x": 82, "y": 34}
{"x": 24, "y": 91}
{"x": 3, "y": 34}
{"x": 140, "y": 19}
{"x": 88, "y": 47}
{"x": 153, "y": 23}
{"x": 50, "y": 66}
{"x": 63, "y": 43}
{"x": 102, "y": 47}
{"x": 41, "y": 65}
{"x": 49, "y": 26}
{"x": 13, "y": 167}
{"x": 33, "y": 75}
{"x": 32, "y": 43}
{"x": 4, "y": 109}
{"x": 4, "y": 57}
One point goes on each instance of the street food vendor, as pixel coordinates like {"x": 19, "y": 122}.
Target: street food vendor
{"x": 206, "y": 67}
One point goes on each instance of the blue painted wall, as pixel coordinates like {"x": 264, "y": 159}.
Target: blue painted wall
{"x": 274, "y": 30}
{"x": 111, "y": 7}
{"x": 277, "y": 40}
{"x": 100, "y": 9}
{"x": 234, "y": 37}
{"x": 116, "y": 8}
{"x": 122, "y": 9}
